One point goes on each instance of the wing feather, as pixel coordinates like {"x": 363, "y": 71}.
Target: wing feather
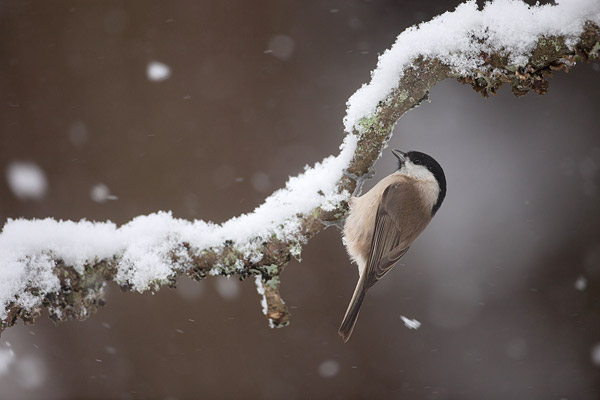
{"x": 389, "y": 243}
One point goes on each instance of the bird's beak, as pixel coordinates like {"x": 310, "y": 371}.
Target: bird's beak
{"x": 400, "y": 155}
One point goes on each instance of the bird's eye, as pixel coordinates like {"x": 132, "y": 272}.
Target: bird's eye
{"x": 416, "y": 161}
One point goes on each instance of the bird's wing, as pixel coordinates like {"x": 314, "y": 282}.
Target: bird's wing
{"x": 392, "y": 235}
{"x": 399, "y": 220}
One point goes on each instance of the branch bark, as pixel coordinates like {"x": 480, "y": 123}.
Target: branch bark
{"x": 81, "y": 293}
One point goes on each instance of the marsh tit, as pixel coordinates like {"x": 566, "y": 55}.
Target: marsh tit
{"x": 384, "y": 222}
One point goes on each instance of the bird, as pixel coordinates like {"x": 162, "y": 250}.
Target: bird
{"x": 384, "y": 222}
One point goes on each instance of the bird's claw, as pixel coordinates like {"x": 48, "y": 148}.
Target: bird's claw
{"x": 370, "y": 173}
{"x": 360, "y": 180}
{"x": 352, "y": 176}
{"x": 338, "y": 223}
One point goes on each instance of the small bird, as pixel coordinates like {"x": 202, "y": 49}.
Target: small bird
{"x": 384, "y": 222}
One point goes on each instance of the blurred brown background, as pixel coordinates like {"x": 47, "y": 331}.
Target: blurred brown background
{"x": 505, "y": 281}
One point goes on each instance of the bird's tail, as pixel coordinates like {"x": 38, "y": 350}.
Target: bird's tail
{"x": 352, "y": 312}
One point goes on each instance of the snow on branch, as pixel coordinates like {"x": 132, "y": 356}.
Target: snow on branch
{"x": 63, "y": 265}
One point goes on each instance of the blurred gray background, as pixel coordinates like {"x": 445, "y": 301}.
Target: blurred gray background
{"x": 505, "y": 281}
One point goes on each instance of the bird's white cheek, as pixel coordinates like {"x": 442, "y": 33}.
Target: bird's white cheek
{"x": 418, "y": 172}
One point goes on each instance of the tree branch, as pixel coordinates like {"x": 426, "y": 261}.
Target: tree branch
{"x": 41, "y": 276}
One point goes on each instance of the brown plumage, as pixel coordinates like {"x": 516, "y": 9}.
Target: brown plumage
{"x": 383, "y": 223}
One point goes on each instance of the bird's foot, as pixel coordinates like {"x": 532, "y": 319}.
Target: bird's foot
{"x": 360, "y": 180}
{"x": 338, "y": 223}
{"x": 350, "y": 175}
{"x": 370, "y": 173}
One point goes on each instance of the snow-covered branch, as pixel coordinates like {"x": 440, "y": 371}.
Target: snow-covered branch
{"x": 63, "y": 265}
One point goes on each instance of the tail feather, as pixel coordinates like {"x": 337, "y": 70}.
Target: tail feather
{"x": 351, "y": 315}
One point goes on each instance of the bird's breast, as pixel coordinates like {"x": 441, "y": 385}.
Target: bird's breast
{"x": 359, "y": 226}
{"x": 411, "y": 214}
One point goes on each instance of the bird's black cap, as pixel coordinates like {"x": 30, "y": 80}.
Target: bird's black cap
{"x": 418, "y": 158}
